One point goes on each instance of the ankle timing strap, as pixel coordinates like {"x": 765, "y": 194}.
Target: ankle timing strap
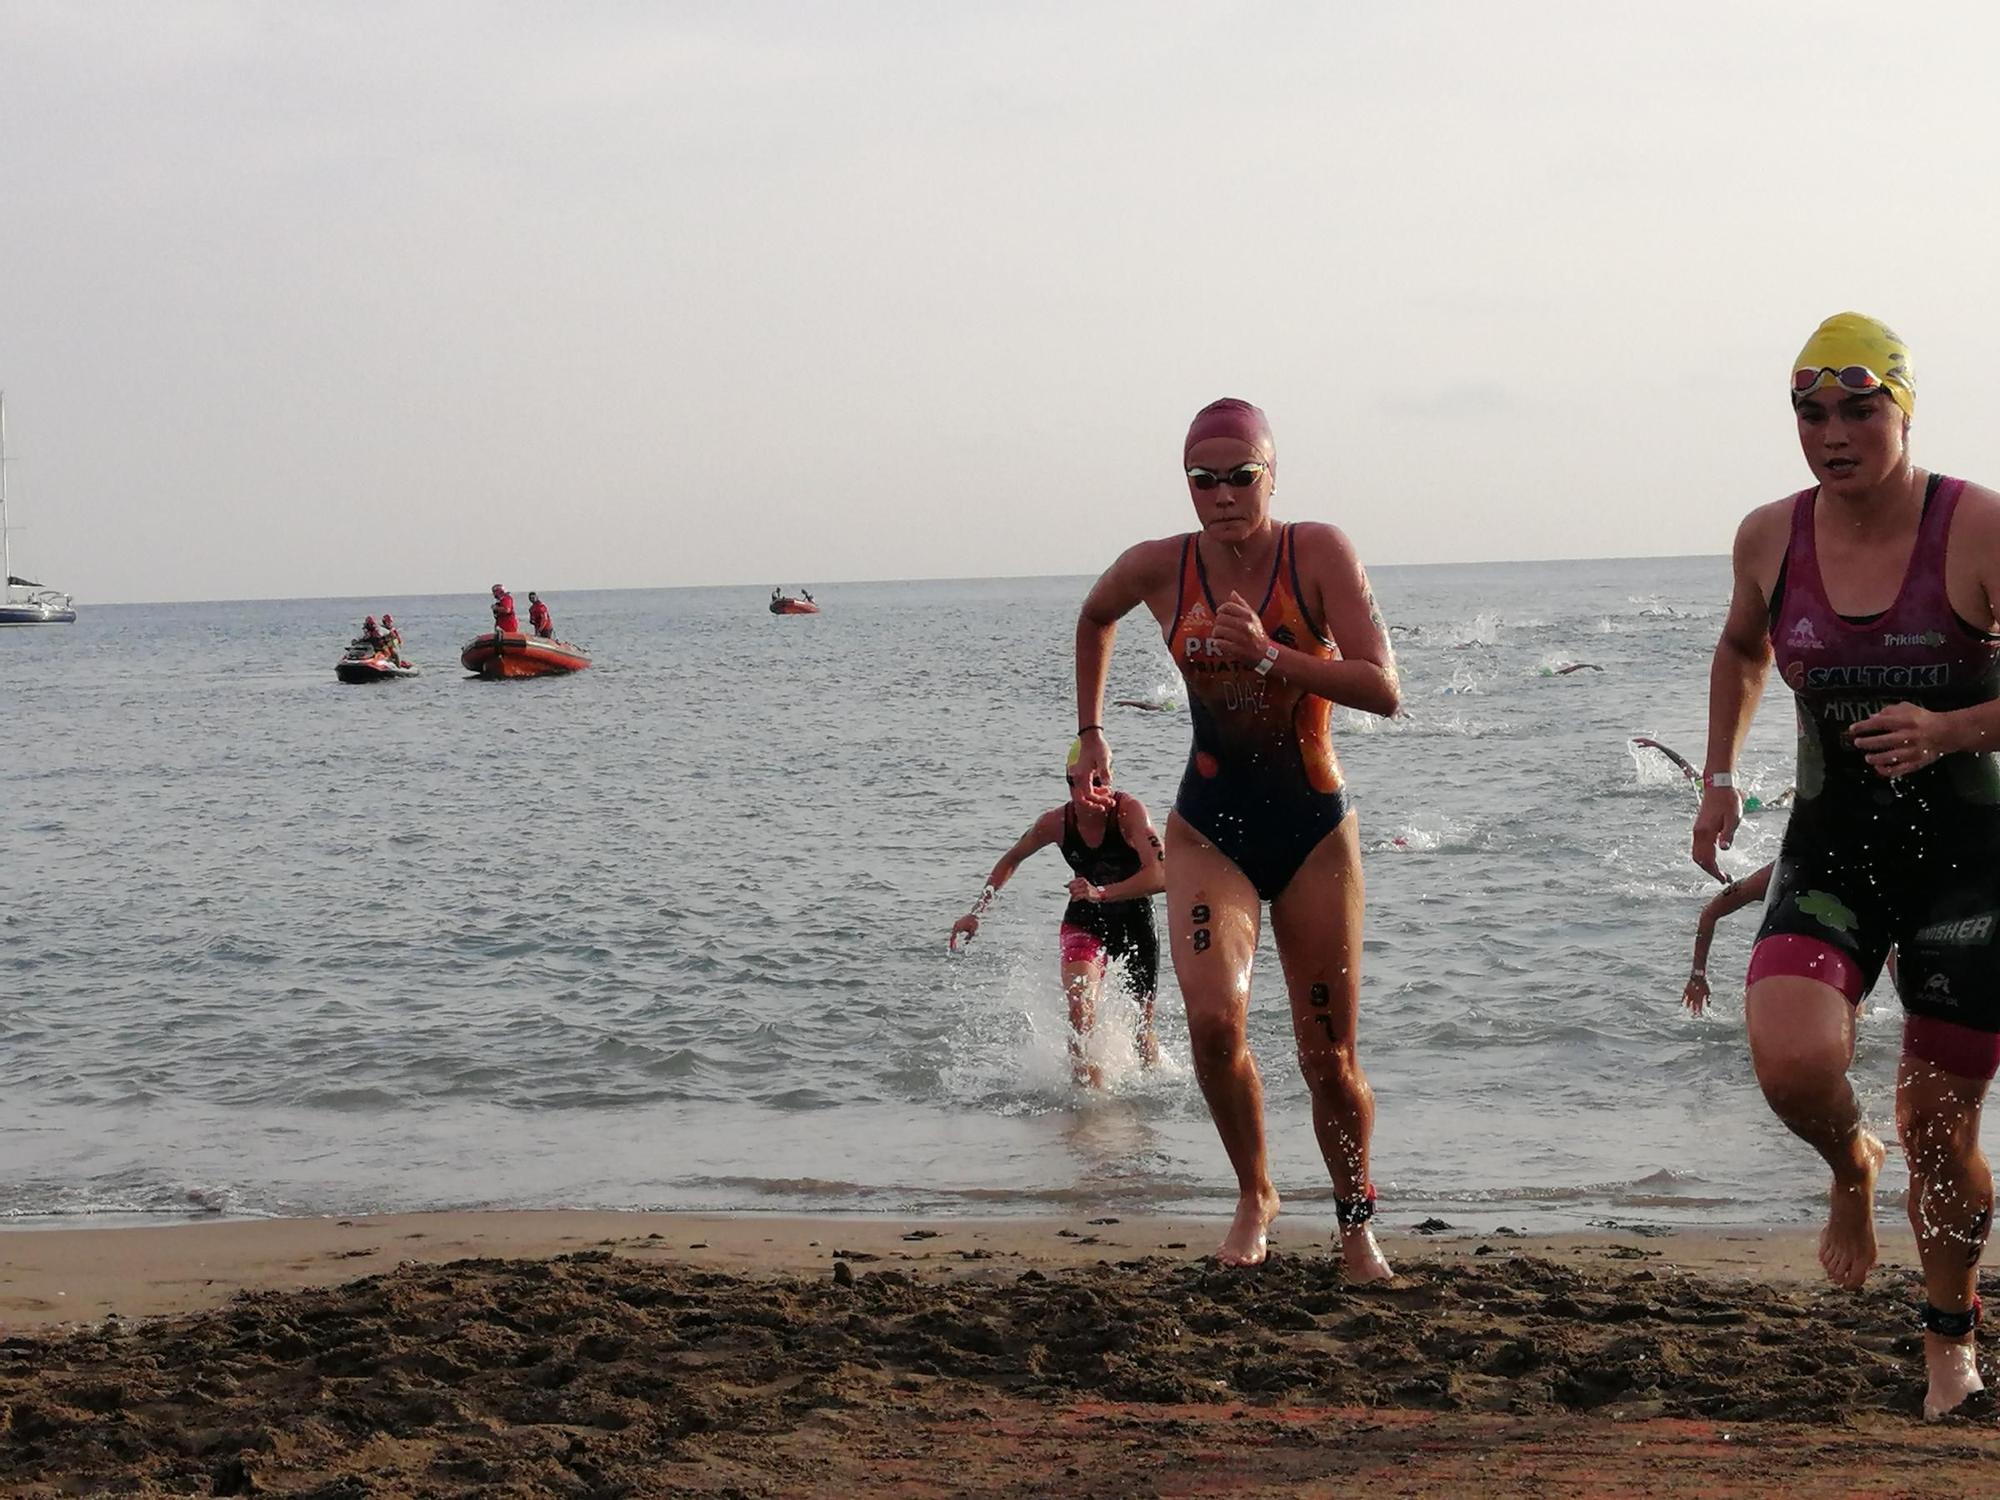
{"x": 1950, "y": 1325}
{"x": 1354, "y": 1212}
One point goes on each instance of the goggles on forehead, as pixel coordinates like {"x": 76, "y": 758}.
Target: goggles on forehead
{"x": 1858, "y": 379}
{"x": 1239, "y": 478}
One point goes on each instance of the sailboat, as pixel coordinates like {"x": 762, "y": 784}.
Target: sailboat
{"x": 23, "y": 601}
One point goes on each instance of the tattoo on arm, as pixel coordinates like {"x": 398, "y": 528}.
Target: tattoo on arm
{"x": 1374, "y": 609}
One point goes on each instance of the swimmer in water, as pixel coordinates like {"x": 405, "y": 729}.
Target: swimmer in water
{"x": 1751, "y": 802}
{"x": 1145, "y": 705}
{"x": 1577, "y": 666}
{"x": 1270, "y": 625}
{"x": 1116, "y": 857}
{"x": 1878, "y": 592}
{"x": 1732, "y": 898}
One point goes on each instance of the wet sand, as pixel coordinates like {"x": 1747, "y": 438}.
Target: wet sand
{"x": 625, "y": 1354}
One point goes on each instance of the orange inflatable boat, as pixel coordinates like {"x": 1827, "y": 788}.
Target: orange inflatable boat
{"x": 506, "y": 654}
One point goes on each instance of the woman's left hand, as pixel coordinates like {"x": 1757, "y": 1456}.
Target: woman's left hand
{"x": 1902, "y": 738}
{"x": 1240, "y": 632}
{"x": 1082, "y": 890}
{"x": 1695, "y": 996}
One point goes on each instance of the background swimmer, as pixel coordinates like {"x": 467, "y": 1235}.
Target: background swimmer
{"x": 1119, "y": 865}
{"x": 1732, "y": 898}
{"x": 1751, "y": 803}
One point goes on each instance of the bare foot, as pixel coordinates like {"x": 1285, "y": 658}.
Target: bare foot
{"x": 1847, "y": 1244}
{"x": 1245, "y": 1245}
{"x": 1954, "y": 1372}
{"x": 1149, "y": 1049}
{"x": 1361, "y": 1259}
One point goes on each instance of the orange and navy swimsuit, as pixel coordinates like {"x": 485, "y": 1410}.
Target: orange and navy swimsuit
{"x": 1262, "y": 783}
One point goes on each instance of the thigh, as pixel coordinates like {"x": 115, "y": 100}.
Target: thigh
{"x": 1317, "y": 924}
{"x": 1137, "y": 948}
{"x": 1792, "y": 1021}
{"x": 1213, "y": 916}
{"x": 1928, "y": 1094}
{"x": 1082, "y": 957}
{"x": 1825, "y": 918}
{"x": 1948, "y": 945}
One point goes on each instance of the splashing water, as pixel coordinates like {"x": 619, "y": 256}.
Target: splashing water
{"x": 1483, "y": 629}
{"x": 1653, "y": 767}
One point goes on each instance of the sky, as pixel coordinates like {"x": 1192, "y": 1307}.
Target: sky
{"x": 335, "y": 299}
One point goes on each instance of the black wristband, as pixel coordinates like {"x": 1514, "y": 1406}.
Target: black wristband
{"x": 1087, "y": 728}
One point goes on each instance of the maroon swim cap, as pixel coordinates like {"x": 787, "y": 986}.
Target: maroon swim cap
{"x": 1230, "y": 418}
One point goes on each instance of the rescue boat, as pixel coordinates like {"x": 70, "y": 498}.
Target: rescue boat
{"x": 365, "y": 663}
{"x": 785, "y": 604}
{"x": 510, "y": 654}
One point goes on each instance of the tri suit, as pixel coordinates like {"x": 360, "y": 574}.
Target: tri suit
{"x": 1262, "y": 783}
{"x": 1096, "y": 931}
{"x": 1868, "y": 862}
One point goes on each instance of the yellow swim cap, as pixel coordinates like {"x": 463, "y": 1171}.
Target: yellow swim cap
{"x": 1857, "y": 354}
{"x": 1076, "y": 754}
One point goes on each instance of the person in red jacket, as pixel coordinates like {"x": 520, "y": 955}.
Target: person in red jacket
{"x": 539, "y": 618}
{"x": 504, "y": 618}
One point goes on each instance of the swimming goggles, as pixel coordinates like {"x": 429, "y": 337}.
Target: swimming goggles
{"x": 1856, "y": 378}
{"x": 1239, "y": 478}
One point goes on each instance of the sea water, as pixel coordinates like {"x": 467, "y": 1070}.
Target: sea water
{"x": 671, "y": 933}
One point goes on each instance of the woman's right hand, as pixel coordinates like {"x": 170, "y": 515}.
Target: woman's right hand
{"x": 1093, "y": 766}
{"x": 966, "y": 927}
{"x": 1715, "y": 826}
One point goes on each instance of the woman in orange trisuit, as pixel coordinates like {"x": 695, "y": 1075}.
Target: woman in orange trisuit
{"x": 1271, "y": 624}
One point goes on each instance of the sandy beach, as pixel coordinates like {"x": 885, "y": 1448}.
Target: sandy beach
{"x": 606, "y": 1354}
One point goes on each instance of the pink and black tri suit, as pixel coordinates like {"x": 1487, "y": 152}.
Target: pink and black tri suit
{"x": 1094, "y": 931}
{"x": 1867, "y": 862}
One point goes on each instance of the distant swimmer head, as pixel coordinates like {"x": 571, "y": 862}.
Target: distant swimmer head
{"x": 1236, "y": 420}
{"x": 1859, "y": 355}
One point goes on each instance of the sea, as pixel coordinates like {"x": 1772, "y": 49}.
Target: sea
{"x": 671, "y": 933}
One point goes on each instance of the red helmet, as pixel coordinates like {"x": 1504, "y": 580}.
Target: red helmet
{"x": 369, "y": 621}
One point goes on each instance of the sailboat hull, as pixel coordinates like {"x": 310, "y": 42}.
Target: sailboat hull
{"x": 37, "y": 614}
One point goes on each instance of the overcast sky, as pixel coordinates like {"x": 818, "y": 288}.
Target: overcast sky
{"x": 337, "y": 299}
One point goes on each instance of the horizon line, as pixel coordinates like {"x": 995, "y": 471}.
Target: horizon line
{"x": 650, "y": 588}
